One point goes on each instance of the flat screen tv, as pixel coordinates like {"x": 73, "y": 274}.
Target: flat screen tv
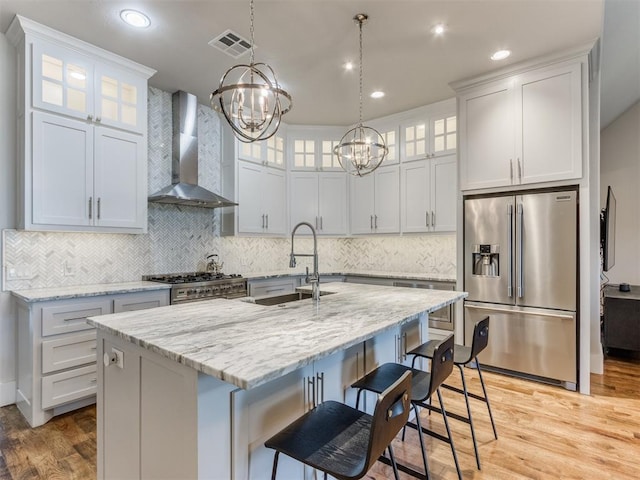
{"x": 608, "y": 232}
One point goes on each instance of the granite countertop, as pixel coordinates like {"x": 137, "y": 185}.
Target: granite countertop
{"x": 355, "y": 273}
{"x": 247, "y": 345}
{"x": 76, "y": 291}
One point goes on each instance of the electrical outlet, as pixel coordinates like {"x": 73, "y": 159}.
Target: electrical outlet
{"x": 117, "y": 357}
{"x": 18, "y": 272}
{"x": 68, "y": 268}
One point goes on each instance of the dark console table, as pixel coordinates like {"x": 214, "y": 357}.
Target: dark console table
{"x": 622, "y": 318}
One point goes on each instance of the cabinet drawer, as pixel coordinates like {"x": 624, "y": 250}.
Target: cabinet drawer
{"x": 140, "y": 301}
{"x": 67, "y": 352}
{"x": 273, "y": 287}
{"x": 68, "y": 386}
{"x": 71, "y": 318}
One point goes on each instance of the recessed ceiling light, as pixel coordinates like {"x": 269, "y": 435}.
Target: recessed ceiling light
{"x": 438, "y": 29}
{"x": 348, "y": 66}
{"x": 500, "y": 54}
{"x": 135, "y": 18}
{"x": 377, "y": 94}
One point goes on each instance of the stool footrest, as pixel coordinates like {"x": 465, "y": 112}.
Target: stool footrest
{"x": 404, "y": 468}
{"x": 459, "y": 390}
{"x": 431, "y": 433}
{"x": 451, "y": 414}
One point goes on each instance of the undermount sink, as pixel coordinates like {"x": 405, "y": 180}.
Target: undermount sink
{"x": 286, "y": 298}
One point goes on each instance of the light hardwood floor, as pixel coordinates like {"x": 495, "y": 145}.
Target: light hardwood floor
{"x": 544, "y": 432}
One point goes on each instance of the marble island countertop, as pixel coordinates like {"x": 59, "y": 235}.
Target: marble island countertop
{"x": 247, "y": 344}
{"x": 355, "y": 273}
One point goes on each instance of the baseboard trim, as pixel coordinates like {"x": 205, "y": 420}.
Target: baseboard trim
{"x": 7, "y": 393}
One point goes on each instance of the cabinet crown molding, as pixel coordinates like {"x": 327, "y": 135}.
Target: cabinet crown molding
{"x": 21, "y": 26}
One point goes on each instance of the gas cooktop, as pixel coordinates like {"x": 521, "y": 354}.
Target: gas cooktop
{"x": 192, "y": 277}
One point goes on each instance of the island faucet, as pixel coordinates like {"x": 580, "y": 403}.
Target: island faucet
{"x": 313, "y": 279}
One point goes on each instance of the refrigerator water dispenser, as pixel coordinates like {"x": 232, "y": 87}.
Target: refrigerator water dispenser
{"x": 486, "y": 260}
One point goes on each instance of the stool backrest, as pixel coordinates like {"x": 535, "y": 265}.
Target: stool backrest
{"x": 480, "y": 337}
{"x": 441, "y": 364}
{"x": 390, "y": 415}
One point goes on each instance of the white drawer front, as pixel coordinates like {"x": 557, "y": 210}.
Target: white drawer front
{"x": 67, "y": 352}
{"x": 71, "y": 318}
{"x": 68, "y": 386}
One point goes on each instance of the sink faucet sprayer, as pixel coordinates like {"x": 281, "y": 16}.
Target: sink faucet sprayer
{"x": 313, "y": 279}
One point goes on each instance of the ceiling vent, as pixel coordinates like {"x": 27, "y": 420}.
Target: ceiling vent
{"x": 231, "y": 43}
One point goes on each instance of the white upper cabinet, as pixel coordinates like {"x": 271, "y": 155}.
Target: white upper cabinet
{"x": 523, "y": 129}
{"x": 429, "y": 135}
{"x": 311, "y": 148}
{"x": 375, "y": 201}
{"x": 262, "y": 198}
{"x": 321, "y": 200}
{"x": 429, "y": 190}
{"x": 82, "y": 124}
{"x": 67, "y": 82}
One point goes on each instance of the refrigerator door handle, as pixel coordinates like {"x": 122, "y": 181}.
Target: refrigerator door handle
{"x": 510, "y": 269}
{"x": 520, "y": 249}
{"x": 537, "y": 312}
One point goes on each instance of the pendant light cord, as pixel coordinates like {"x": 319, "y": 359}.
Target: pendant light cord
{"x": 361, "y": 21}
{"x": 251, "y": 31}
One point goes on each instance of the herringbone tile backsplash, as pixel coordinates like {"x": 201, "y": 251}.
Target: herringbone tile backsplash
{"x": 179, "y": 238}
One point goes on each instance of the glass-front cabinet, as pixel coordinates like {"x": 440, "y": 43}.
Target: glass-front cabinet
{"x": 269, "y": 152}
{"x": 311, "y": 148}
{"x": 429, "y": 136}
{"x": 73, "y": 84}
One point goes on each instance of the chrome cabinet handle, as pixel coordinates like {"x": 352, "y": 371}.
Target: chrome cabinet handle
{"x": 375, "y": 222}
{"x": 90, "y": 208}
{"x": 98, "y": 119}
{"x": 321, "y": 227}
{"x": 89, "y": 118}
{"x": 316, "y": 223}
{"x": 433, "y": 219}
{"x": 371, "y": 221}
{"x": 510, "y": 255}
{"x": 519, "y": 171}
{"x": 511, "y": 170}
{"x": 404, "y": 347}
{"x": 520, "y": 253}
{"x": 267, "y": 216}
{"x": 320, "y": 380}
{"x": 263, "y": 220}
{"x": 426, "y": 219}
{"x": 98, "y": 208}
{"x": 311, "y": 391}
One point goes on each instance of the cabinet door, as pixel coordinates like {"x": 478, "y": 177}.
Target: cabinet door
{"x": 120, "y": 183}
{"x": 444, "y": 188}
{"x": 332, "y": 208}
{"x": 251, "y": 198}
{"x": 62, "y": 80}
{"x": 416, "y": 208}
{"x": 444, "y": 135}
{"x": 550, "y": 140}
{"x": 276, "y": 198}
{"x": 336, "y": 373}
{"x": 387, "y": 201}
{"x": 251, "y": 152}
{"x": 362, "y": 204}
{"x": 62, "y": 170}
{"x": 487, "y": 129}
{"x": 415, "y": 139}
{"x": 410, "y": 338}
{"x": 121, "y": 99}
{"x": 304, "y": 198}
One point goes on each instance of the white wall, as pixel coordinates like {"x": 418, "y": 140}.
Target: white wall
{"x": 7, "y": 211}
{"x": 620, "y": 168}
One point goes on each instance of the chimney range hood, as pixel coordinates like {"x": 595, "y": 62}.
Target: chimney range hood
{"x": 184, "y": 189}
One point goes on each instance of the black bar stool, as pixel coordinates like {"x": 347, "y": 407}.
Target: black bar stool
{"x": 424, "y": 385}
{"x": 463, "y": 356}
{"x": 342, "y": 441}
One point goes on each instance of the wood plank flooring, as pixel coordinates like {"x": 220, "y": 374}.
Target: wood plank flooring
{"x": 544, "y": 432}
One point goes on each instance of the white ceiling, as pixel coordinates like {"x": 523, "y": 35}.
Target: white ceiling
{"x": 307, "y": 41}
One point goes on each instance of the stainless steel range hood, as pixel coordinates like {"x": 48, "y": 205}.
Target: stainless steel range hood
{"x": 184, "y": 189}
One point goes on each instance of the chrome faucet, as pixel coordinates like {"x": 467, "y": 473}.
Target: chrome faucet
{"x": 313, "y": 279}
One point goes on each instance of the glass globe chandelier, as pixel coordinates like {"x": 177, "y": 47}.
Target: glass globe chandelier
{"x": 251, "y": 99}
{"x": 362, "y": 149}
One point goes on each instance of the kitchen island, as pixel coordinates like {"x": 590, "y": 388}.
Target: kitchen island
{"x": 193, "y": 390}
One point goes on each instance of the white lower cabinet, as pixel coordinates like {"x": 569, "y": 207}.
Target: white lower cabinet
{"x": 57, "y": 350}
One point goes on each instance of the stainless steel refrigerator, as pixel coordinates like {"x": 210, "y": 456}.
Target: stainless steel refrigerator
{"x": 521, "y": 269}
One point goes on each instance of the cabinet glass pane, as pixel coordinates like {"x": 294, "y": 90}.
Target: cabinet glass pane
{"x": 420, "y": 148}
{"x": 76, "y": 77}
{"x": 451, "y": 141}
{"x": 390, "y": 141}
{"x": 109, "y": 109}
{"x": 51, "y": 67}
{"x": 438, "y": 144}
{"x": 329, "y": 160}
{"x": 129, "y": 114}
{"x": 299, "y": 160}
{"x": 76, "y": 100}
{"x": 250, "y": 150}
{"x": 51, "y": 93}
{"x": 410, "y": 150}
{"x": 451, "y": 124}
{"x": 409, "y": 134}
{"x": 129, "y": 93}
{"x": 420, "y": 131}
{"x": 271, "y": 155}
{"x": 109, "y": 87}
{"x": 438, "y": 127}
{"x": 304, "y": 153}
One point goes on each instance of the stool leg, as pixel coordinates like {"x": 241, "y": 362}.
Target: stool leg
{"x": 358, "y": 398}
{"x": 393, "y": 463}
{"x": 275, "y": 466}
{"x": 466, "y": 399}
{"x": 486, "y": 398}
{"x": 446, "y": 424}
{"x": 422, "y": 445}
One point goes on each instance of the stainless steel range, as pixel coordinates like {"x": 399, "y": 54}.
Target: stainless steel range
{"x": 196, "y": 286}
